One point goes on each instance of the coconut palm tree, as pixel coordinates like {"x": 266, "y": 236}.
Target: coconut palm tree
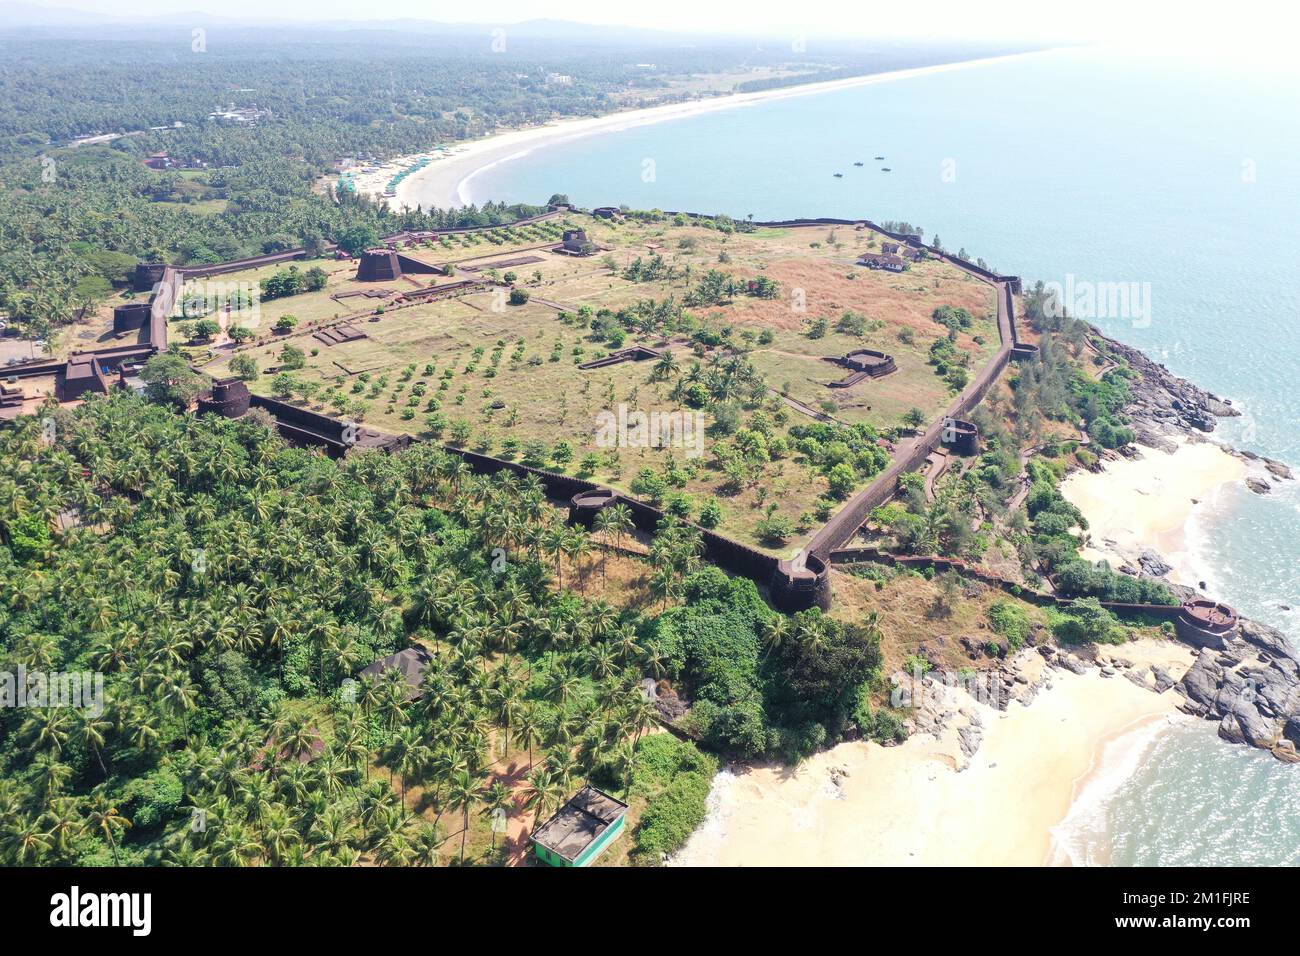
{"x": 665, "y": 367}
{"x": 542, "y": 793}
{"x": 497, "y": 803}
{"x": 462, "y": 794}
{"x": 528, "y": 731}
{"x": 103, "y": 819}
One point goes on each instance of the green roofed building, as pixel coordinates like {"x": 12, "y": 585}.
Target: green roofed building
{"x": 581, "y": 829}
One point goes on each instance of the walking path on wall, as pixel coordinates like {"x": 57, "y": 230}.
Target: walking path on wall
{"x": 911, "y": 453}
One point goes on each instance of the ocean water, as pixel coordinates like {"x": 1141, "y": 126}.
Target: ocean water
{"x": 1179, "y": 180}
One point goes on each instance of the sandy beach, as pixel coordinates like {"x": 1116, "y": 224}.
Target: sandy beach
{"x": 1147, "y": 502}
{"x": 909, "y": 805}
{"x": 446, "y": 182}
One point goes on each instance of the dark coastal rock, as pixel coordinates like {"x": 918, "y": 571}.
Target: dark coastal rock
{"x": 1031, "y": 692}
{"x": 1278, "y": 470}
{"x": 1252, "y": 689}
{"x": 1258, "y": 485}
{"x": 1230, "y": 730}
{"x": 1269, "y": 640}
{"x": 1200, "y": 685}
{"x": 1138, "y": 676}
{"x": 1163, "y": 679}
{"x": 970, "y": 738}
{"x": 1153, "y": 564}
{"x": 1154, "y": 439}
{"x": 1070, "y": 662}
{"x": 1161, "y": 402}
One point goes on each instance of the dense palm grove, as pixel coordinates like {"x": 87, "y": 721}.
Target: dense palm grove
{"x": 229, "y": 588}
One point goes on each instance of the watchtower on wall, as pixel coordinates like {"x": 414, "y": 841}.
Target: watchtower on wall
{"x": 378, "y": 265}
{"x": 228, "y": 397}
{"x": 1206, "y": 623}
{"x": 961, "y": 436}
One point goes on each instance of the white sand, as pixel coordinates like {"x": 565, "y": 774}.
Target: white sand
{"x": 907, "y": 805}
{"x": 446, "y": 182}
{"x": 1146, "y": 503}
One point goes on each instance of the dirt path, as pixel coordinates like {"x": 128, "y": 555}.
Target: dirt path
{"x": 938, "y": 464}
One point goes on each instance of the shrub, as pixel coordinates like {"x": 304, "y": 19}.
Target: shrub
{"x": 1011, "y": 622}
{"x": 674, "y": 777}
{"x": 1086, "y": 620}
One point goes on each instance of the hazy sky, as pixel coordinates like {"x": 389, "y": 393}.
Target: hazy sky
{"x": 1158, "y": 23}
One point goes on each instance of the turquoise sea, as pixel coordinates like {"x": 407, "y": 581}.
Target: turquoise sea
{"x": 1092, "y": 163}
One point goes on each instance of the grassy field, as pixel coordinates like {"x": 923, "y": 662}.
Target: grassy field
{"x": 510, "y": 373}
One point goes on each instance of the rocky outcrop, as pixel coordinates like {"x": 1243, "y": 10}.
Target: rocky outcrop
{"x": 1162, "y": 403}
{"x": 1258, "y": 485}
{"x": 1153, "y": 564}
{"x": 1277, "y": 469}
{"x": 1251, "y": 687}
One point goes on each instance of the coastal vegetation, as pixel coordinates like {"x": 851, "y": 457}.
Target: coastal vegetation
{"x": 231, "y": 590}
{"x": 673, "y": 777}
{"x": 237, "y": 705}
{"x": 764, "y": 684}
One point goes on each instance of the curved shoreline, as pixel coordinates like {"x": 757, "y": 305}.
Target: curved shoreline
{"x": 1147, "y": 503}
{"x": 924, "y": 802}
{"x": 444, "y": 182}
{"x": 1114, "y": 763}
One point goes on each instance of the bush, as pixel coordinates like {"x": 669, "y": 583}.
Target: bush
{"x": 711, "y": 514}
{"x": 674, "y": 777}
{"x": 292, "y": 357}
{"x": 1011, "y": 622}
{"x": 884, "y": 726}
{"x": 1086, "y": 620}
